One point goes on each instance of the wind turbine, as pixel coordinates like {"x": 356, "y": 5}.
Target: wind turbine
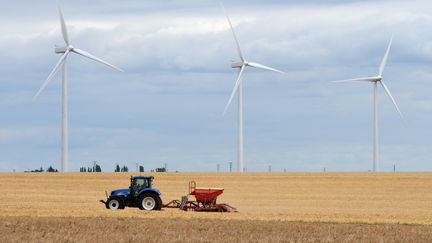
{"x": 238, "y": 89}
{"x": 62, "y": 64}
{"x": 378, "y": 80}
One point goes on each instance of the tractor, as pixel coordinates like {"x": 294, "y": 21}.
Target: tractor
{"x": 140, "y": 194}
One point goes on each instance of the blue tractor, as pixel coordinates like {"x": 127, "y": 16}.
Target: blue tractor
{"x": 140, "y": 194}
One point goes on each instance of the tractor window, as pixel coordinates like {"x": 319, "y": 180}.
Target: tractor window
{"x": 141, "y": 183}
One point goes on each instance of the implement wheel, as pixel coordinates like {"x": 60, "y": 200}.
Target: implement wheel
{"x": 149, "y": 201}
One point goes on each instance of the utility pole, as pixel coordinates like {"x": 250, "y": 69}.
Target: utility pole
{"x": 230, "y": 166}
{"x": 166, "y": 167}
{"x": 218, "y": 167}
{"x": 269, "y": 168}
{"x": 394, "y": 168}
{"x": 285, "y": 170}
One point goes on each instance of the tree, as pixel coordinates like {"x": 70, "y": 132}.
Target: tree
{"x": 160, "y": 170}
{"x": 124, "y": 169}
{"x": 141, "y": 168}
{"x": 51, "y": 169}
{"x": 98, "y": 168}
{"x": 117, "y": 169}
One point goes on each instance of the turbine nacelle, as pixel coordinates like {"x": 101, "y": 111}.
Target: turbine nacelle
{"x": 60, "y": 50}
{"x": 238, "y": 64}
{"x": 63, "y": 49}
{"x": 376, "y": 79}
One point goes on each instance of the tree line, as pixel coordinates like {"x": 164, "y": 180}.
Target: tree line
{"x": 97, "y": 168}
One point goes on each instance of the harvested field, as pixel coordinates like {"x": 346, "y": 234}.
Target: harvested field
{"x": 321, "y": 205}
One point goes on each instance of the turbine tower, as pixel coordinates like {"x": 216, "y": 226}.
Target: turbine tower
{"x": 376, "y": 81}
{"x": 238, "y": 89}
{"x": 62, "y": 64}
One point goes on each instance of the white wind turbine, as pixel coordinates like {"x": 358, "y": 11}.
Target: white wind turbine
{"x": 377, "y": 80}
{"x": 66, "y": 50}
{"x": 238, "y": 88}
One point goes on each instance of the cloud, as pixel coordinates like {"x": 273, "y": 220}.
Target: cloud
{"x": 167, "y": 107}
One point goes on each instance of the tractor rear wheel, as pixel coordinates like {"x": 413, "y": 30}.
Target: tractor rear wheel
{"x": 159, "y": 203}
{"x": 149, "y": 201}
{"x": 115, "y": 203}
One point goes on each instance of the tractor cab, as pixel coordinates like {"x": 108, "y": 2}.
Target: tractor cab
{"x": 138, "y": 183}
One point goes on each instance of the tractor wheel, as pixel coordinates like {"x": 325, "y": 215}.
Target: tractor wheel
{"x": 149, "y": 201}
{"x": 114, "y": 203}
{"x": 159, "y": 204}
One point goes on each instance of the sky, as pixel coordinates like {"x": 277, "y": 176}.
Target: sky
{"x": 167, "y": 106}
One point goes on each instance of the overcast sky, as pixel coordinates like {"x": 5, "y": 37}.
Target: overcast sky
{"x": 167, "y": 106}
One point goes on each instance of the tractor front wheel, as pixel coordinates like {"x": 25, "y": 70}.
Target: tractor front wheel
{"x": 149, "y": 201}
{"x": 114, "y": 203}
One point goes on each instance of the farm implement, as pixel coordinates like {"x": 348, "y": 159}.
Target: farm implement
{"x": 141, "y": 194}
{"x": 205, "y": 200}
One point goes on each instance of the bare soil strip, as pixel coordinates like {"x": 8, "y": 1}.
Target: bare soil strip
{"x": 102, "y": 229}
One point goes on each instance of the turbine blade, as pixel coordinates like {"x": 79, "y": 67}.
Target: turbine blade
{"x": 234, "y": 34}
{"x": 385, "y": 58}
{"x": 234, "y": 89}
{"x": 51, "y": 75}
{"x": 90, "y": 56}
{"x": 392, "y": 99}
{"x": 257, "y": 65}
{"x": 63, "y": 25}
{"x": 367, "y": 79}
